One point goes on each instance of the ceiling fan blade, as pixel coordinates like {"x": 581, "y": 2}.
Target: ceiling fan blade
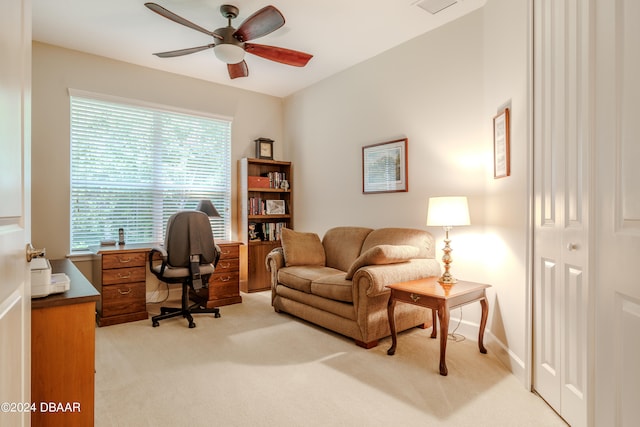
{"x": 179, "y": 19}
{"x": 180, "y": 52}
{"x": 261, "y": 23}
{"x": 279, "y": 54}
{"x": 238, "y": 70}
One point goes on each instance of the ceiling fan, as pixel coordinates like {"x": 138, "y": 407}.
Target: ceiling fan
{"x": 230, "y": 44}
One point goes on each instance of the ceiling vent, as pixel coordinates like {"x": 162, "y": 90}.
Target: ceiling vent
{"x": 435, "y": 6}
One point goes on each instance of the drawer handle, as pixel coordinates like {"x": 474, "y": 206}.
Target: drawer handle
{"x": 125, "y": 260}
{"x": 225, "y": 279}
{"x": 225, "y": 252}
{"x": 124, "y": 293}
{"x": 414, "y": 297}
{"x": 124, "y": 276}
{"x": 225, "y": 265}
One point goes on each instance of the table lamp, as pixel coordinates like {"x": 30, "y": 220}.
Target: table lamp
{"x": 447, "y": 212}
{"x": 207, "y": 207}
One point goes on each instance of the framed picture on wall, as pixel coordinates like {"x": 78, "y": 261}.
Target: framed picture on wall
{"x": 501, "y": 154}
{"x": 384, "y": 167}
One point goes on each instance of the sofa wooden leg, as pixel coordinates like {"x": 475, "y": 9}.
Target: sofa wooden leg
{"x": 366, "y": 345}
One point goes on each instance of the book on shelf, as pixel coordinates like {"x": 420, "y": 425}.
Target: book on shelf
{"x": 260, "y": 206}
{"x": 266, "y": 231}
{"x": 275, "y": 178}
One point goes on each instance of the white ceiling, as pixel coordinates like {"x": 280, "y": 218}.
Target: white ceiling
{"x": 339, "y": 33}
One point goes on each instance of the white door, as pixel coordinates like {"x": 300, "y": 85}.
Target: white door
{"x": 562, "y": 188}
{"x": 617, "y": 119}
{"x": 15, "y": 158}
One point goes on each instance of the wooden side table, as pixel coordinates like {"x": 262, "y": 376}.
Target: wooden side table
{"x": 440, "y": 299}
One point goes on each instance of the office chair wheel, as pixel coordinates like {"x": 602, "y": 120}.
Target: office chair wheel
{"x": 155, "y": 323}
{"x": 217, "y": 314}
{"x": 192, "y": 324}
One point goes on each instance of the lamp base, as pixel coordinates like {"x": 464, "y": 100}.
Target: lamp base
{"x": 447, "y": 279}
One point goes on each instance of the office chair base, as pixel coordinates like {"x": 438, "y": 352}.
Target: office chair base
{"x": 185, "y": 311}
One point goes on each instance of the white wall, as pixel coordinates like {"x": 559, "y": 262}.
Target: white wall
{"x": 441, "y": 91}
{"x": 420, "y": 90}
{"x": 507, "y": 200}
{"x": 55, "y": 70}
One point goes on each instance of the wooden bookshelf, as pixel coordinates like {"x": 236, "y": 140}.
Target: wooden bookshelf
{"x": 254, "y": 196}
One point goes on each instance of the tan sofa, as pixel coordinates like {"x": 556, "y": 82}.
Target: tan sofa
{"x": 339, "y": 283}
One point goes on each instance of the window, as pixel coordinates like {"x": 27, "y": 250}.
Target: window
{"x": 133, "y": 166}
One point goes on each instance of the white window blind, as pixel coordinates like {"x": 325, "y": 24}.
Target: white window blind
{"x": 132, "y": 167}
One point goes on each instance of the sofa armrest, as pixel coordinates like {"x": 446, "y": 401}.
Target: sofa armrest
{"x": 274, "y": 261}
{"x": 375, "y": 278}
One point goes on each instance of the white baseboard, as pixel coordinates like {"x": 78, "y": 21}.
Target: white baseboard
{"x": 493, "y": 345}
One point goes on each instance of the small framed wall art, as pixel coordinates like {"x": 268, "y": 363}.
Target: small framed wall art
{"x": 501, "y": 154}
{"x": 264, "y": 148}
{"x": 384, "y": 167}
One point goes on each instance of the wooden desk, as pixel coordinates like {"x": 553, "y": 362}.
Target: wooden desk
{"x": 63, "y": 352}
{"x": 224, "y": 283}
{"x": 440, "y": 299}
{"x": 120, "y": 273}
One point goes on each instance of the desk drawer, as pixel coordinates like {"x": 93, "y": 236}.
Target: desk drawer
{"x": 217, "y": 279}
{"x": 123, "y": 299}
{"x": 229, "y": 251}
{"x": 228, "y": 265}
{"x": 130, "y": 259}
{"x": 223, "y": 290}
{"x": 123, "y": 275}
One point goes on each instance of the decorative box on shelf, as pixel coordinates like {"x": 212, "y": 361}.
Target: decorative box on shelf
{"x": 258, "y": 182}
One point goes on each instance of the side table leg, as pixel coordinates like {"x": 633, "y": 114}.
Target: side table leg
{"x": 434, "y": 322}
{"x": 392, "y": 325}
{"x": 483, "y": 323}
{"x": 443, "y": 316}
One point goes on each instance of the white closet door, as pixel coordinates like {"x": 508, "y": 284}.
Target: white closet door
{"x": 617, "y": 119}
{"x": 562, "y": 188}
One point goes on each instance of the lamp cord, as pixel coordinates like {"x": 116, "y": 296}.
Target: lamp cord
{"x": 157, "y": 291}
{"x": 452, "y": 335}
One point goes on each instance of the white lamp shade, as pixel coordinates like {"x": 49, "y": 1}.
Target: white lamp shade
{"x": 448, "y": 211}
{"x": 229, "y": 53}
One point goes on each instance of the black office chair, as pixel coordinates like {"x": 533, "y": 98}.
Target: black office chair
{"x": 189, "y": 256}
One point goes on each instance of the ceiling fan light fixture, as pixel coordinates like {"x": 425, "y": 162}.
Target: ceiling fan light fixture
{"x": 229, "y": 53}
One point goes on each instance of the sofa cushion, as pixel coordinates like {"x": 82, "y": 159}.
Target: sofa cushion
{"x": 421, "y": 239}
{"x": 300, "y": 277}
{"x": 302, "y": 248}
{"x": 383, "y": 254}
{"x": 334, "y": 287}
{"x": 342, "y": 245}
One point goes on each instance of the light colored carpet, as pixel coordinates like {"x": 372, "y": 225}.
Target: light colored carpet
{"x": 255, "y": 367}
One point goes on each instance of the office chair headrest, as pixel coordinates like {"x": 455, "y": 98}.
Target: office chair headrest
{"x": 189, "y": 233}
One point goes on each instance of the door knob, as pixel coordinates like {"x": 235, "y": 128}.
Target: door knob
{"x": 572, "y": 246}
{"x": 34, "y": 253}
